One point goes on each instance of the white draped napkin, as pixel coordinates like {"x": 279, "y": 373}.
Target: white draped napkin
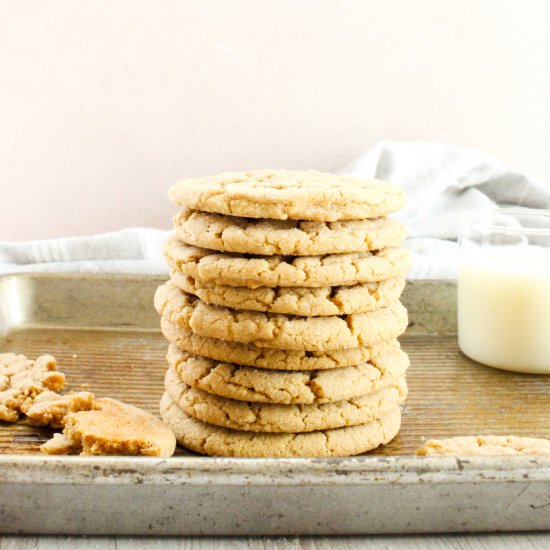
{"x": 134, "y": 250}
{"x": 441, "y": 182}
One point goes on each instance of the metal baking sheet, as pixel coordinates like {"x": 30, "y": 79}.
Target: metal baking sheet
{"x": 104, "y": 332}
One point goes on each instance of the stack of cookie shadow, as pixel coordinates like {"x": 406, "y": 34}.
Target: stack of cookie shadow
{"x": 282, "y": 312}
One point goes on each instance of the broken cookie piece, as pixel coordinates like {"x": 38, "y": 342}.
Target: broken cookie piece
{"x": 490, "y": 445}
{"x": 10, "y": 403}
{"x": 112, "y": 428}
{"x": 91, "y": 426}
{"x": 22, "y": 380}
{"x": 59, "y": 445}
{"x": 50, "y": 408}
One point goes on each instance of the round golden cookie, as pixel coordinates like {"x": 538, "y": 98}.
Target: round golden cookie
{"x": 272, "y": 271}
{"x": 265, "y": 358}
{"x": 280, "y": 331}
{"x": 276, "y": 418}
{"x": 284, "y": 387}
{"x": 313, "y": 302}
{"x": 217, "y": 441}
{"x": 286, "y": 237}
{"x": 282, "y": 195}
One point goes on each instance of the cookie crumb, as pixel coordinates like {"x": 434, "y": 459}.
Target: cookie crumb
{"x": 58, "y": 445}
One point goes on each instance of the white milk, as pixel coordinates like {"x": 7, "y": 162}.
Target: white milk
{"x": 504, "y": 307}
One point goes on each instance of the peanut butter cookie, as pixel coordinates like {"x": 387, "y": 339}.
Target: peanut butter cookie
{"x": 218, "y": 441}
{"x": 282, "y": 194}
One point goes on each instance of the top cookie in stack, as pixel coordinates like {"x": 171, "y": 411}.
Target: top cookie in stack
{"x": 282, "y": 312}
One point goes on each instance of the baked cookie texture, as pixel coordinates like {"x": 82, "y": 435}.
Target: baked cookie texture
{"x": 485, "y": 445}
{"x": 286, "y": 387}
{"x": 282, "y": 312}
{"x": 273, "y": 417}
{"x": 304, "y": 301}
{"x": 277, "y": 330}
{"x": 22, "y": 380}
{"x": 282, "y": 195}
{"x": 255, "y": 271}
{"x": 209, "y": 439}
{"x": 264, "y": 358}
{"x": 112, "y": 428}
{"x": 51, "y": 408}
{"x": 90, "y": 426}
{"x": 289, "y": 237}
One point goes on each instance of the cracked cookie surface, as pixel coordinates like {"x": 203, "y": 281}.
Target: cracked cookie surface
{"x": 286, "y": 237}
{"x": 218, "y": 441}
{"x": 283, "y": 387}
{"x": 320, "y": 301}
{"x": 283, "y": 194}
{"x": 277, "y": 330}
{"x": 264, "y": 358}
{"x": 277, "y": 418}
{"x": 286, "y": 271}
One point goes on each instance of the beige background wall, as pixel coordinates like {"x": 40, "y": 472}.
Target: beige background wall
{"x": 103, "y": 104}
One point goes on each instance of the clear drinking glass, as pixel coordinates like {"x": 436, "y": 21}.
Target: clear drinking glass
{"x": 504, "y": 289}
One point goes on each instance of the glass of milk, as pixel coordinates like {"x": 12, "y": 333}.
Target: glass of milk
{"x": 504, "y": 289}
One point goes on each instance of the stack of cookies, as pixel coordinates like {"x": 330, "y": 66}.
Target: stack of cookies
{"x": 282, "y": 312}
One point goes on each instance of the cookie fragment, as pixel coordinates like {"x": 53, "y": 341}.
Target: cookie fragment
{"x": 485, "y": 445}
{"x": 22, "y": 380}
{"x": 113, "y": 428}
{"x": 51, "y": 408}
{"x": 59, "y": 445}
{"x": 91, "y": 426}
